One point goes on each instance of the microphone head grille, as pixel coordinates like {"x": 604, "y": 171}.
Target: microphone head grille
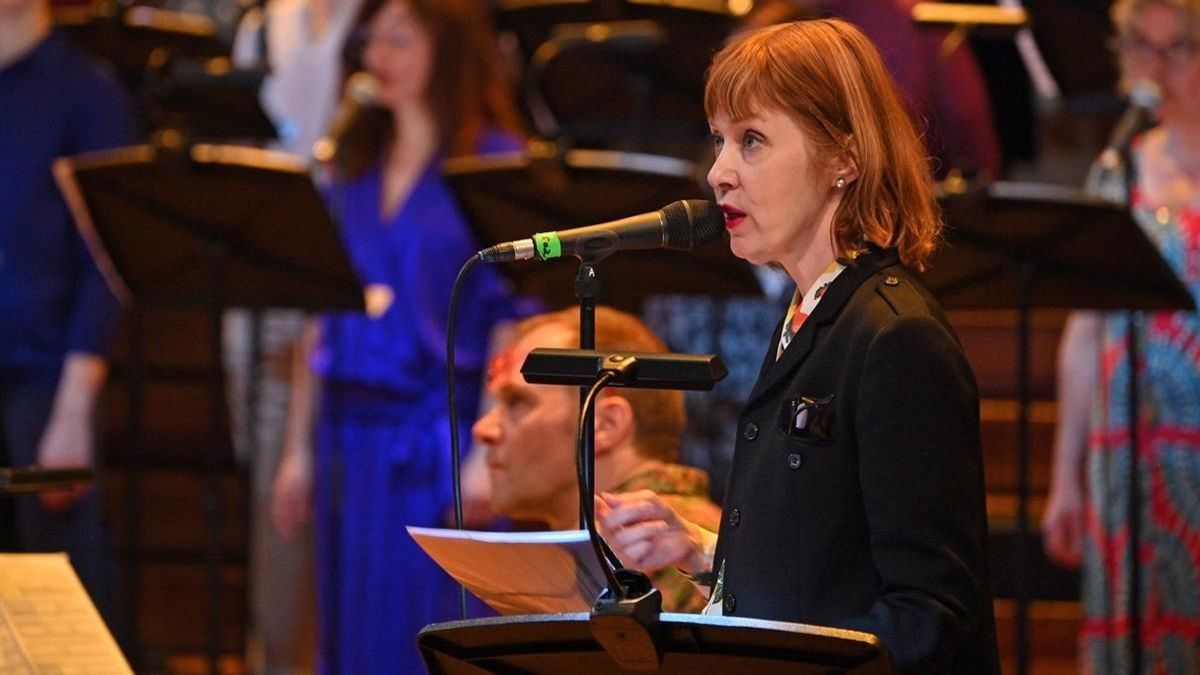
{"x": 1146, "y": 94}
{"x": 362, "y": 87}
{"x": 692, "y": 221}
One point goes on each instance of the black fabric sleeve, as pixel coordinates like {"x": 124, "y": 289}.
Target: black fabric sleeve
{"x": 920, "y": 470}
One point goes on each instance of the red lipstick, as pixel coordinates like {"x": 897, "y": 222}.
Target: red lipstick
{"x": 733, "y": 217}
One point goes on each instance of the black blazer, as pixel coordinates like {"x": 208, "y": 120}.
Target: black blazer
{"x": 869, "y": 512}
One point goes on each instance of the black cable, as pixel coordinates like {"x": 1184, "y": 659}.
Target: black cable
{"x": 455, "y": 470}
{"x": 586, "y": 491}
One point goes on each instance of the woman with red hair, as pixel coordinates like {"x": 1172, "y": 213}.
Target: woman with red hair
{"x": 856, "y": 495}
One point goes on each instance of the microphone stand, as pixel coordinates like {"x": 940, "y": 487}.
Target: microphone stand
{"x": 1134, "y": 505}
{"x": 625, "y": 617}
{"x": 1118, "y": 156}
{"x": 587, "y": 287}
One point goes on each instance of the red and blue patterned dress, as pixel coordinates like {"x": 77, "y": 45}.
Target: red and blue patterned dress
{"x": 1168, "y": 373}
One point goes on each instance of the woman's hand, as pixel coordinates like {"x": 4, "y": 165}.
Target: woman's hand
{"x": 291, "y": 493}
{"x": 647, "y": 534}
{"x": 67, "y": 443}
{"x": 1062, "y": 523}
{"x": 1078, "y": 379}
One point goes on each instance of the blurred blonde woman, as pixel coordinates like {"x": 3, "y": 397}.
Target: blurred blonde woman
{"x": 1086, "y": 520}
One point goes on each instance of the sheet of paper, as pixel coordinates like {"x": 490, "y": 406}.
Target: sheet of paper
{"x": 47, "y": 621}
{"x": 519, "y": 572}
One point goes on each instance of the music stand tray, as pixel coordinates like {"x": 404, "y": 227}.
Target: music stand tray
{"x": 690, "y": 644}
{"x": 158, "y": 220}
{"x": 512, "y": 196}
{"x": 1063, "y": 248}
{"x": 32, "y": 479}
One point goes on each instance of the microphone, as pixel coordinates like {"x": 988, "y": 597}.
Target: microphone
{"x": 678, "y": 225}
{"x": 1144, "y": 98}
{"x": 361, "y": 91}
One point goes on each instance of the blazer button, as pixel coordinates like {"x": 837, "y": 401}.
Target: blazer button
{"x": 729, "y": 604}
{"x": 735, "y": 517}
{"x": 750, "y": 432}
{"x": 794, "y": 460}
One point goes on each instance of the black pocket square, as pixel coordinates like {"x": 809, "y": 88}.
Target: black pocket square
{"x": 809, "y": 417}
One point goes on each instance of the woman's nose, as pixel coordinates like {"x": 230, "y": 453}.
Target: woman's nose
{"x": 371, "y": 56}
{"x": 721, "y": 176}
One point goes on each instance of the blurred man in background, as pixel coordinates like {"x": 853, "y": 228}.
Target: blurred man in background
{"x": 530, "y": 438}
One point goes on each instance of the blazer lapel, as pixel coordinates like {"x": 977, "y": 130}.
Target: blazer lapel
{"x": 836, "y": 296}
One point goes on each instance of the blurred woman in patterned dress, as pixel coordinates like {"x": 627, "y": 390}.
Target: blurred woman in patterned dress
{"x": 1086, "y": 520}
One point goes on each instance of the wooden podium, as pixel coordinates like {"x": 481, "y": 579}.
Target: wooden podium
{"x": 688, "y": 644}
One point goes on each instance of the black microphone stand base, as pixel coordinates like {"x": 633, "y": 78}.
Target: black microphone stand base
{"x": 627, "y": 628}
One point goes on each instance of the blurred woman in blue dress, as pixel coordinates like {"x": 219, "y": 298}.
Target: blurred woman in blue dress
{"x": 371, "y": 392}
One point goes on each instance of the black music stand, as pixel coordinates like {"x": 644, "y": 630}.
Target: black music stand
{"x": 623, "y": 74}
{"x": 126, "y": 37}
{"x": 206, "y": 99}
{"x": 508, "y": 197}
{"x": 687, "y": 643}
{"x": 1020, "y": 246}
{"x": 209, "y": 226}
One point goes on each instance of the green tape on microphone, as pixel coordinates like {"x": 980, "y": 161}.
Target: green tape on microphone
{"x": 547, "y": 244}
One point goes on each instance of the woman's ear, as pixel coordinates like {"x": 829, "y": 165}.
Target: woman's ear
{"x": 845, "y": 162}
{"x": 614, "y": 422}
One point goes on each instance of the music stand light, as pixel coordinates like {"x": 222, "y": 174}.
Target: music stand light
{"x": 581, "y": 367}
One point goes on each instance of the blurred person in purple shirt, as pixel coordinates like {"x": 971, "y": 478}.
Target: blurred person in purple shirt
{"x": 947, "y": 98}
{"x": 58, "y": 314}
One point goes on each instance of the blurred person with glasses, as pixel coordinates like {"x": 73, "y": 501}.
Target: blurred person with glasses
{"x": 1086, "y": 522}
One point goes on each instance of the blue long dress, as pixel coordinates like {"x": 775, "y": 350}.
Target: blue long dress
{"x": 382, "y": 439}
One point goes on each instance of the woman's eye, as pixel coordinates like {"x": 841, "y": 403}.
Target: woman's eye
{"x": 751, "y": 140}
{"x": 717, "y": 143}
